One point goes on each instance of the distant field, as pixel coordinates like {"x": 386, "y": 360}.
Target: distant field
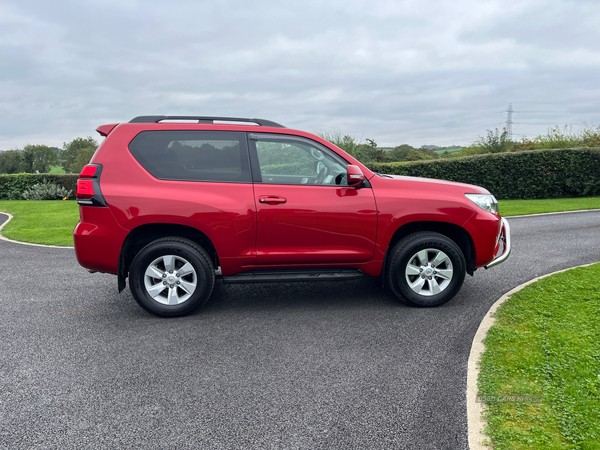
{"x": 57, "y": 169}
{"x": 449, "y": 150}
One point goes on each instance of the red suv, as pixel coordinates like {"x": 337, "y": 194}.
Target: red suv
{"x": 175, "y": 202}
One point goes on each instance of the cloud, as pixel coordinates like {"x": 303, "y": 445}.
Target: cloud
{"x": 413, "y": 72}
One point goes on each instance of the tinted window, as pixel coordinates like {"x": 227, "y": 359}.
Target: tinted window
{"x": 193, "y": 155}
{"x": 294, "y": 161}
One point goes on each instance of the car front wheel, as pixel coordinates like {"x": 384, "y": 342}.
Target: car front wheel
{"x": 171, "y": 277}
{"x": 426, "y": 269}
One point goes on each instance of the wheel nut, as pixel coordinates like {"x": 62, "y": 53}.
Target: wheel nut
{"x": 165, "y": 283}
{"x": 421, "y": 269}
{"x": 429, "y": 278}
{"x": 164, "y": 275}
{"x": 177, "y": 274}
{"x": 179, "y": 282}
{"x": 170, "y": 271}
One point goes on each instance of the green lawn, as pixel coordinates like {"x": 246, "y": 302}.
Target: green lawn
{"x": 41, "y": 221}
{"x": 52, "y": 222}
{"x": 545, "y": 342}
{"x": 523, "y": 207}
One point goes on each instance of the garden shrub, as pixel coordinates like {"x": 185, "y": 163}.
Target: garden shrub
{"x": 46, "y": 191}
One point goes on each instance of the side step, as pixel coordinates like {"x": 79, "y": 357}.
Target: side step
{"x": 289, "y": 275}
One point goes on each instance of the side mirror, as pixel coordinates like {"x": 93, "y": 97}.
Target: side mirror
{"x": 355, "y": 175}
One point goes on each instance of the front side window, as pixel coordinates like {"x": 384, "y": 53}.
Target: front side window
{"x": 296, "y": 161}
{"x": 193, "y": 155}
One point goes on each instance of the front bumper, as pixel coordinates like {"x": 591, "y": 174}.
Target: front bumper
{"x": 504, "y": 236}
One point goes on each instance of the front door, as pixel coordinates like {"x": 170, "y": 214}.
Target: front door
{"x": 306, "y": 212}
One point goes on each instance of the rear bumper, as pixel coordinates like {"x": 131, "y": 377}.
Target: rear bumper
{"x": 505, "y": 237}
{"x": 98, "y": 239}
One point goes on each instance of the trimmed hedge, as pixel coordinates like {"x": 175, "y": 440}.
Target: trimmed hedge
{"x": 13, "y": 185}
{"x": 522, "y": 175}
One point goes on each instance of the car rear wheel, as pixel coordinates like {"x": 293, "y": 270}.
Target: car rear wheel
{"x": 426, "y": 269}
{"x": 171, "y": 277}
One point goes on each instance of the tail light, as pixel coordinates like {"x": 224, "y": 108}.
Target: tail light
{"x": 85, "y": 189}
{"x": 88, "y": 171}
{"x": 88, "y": 186}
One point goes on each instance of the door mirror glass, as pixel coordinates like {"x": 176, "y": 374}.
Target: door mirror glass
{"x": 355, "y": 175}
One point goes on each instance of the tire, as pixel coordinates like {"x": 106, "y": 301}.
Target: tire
{"x": 171, "y": 277}
{"x": 426, "y": 269}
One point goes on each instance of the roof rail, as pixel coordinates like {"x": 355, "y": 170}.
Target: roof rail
{"x": 204, "y": 119}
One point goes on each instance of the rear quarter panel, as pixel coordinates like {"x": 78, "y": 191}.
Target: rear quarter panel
{"x": 224, "y": 212}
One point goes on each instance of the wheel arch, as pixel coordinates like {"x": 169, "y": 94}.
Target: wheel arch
{"x": 139, "y": 237}
{"x": 452, "y": 231}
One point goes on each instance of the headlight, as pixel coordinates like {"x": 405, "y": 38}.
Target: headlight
{"x": 485, "y": 201}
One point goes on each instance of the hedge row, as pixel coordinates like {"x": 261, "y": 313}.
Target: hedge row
{"x": 522, "y": 175}
{"x": 13, "y": 185}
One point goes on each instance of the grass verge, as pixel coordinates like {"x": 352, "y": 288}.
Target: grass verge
{"x": 52, "y": 222}
{"x": 49, "y": 222}
{"x": 523, "y": 207}
{"x": 545, "y": 342}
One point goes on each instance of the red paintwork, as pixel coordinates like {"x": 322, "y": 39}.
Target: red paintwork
{"x": 402, "y": 200}
{"x": 104, "y": 130}
{"x": 98, "y": 239}
{"x": 355, "y": 175}
{"x": 315, "y": 224}
{"x": 270, "y": 226}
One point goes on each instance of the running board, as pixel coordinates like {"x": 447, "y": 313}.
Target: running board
{"x": 289, "y": 275}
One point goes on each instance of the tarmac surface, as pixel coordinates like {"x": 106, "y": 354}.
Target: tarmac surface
{"x": 273, "y": 366}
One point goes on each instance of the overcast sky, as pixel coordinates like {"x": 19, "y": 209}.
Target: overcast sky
{"x": 416, "y": 72}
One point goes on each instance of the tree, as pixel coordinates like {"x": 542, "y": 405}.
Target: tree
{"x": 428, "y": 152}
{"x": 37, "y": 158}
{"x": 591, "y": 136}
{"x": 10, "y": 161}
{"x": 495, "y": 142}
{"x": 343, "y": 141}
{"x": 415, "y": 156}
{"x": 524, "y": 145}
{"x": 83, "y": 158}
{"x": 72, "y": 149}
{"x": 406, "y": 152}
{"x": 401, "y": 152}
{"x": 370, "y": 153}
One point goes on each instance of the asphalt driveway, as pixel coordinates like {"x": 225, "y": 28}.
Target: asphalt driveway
{"x": 281, "y": 366}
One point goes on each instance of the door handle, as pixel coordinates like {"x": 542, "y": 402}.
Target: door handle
{"x": 271, "y": 199}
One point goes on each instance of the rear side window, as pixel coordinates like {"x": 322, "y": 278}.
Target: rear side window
{"x": 189, "y": 155}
